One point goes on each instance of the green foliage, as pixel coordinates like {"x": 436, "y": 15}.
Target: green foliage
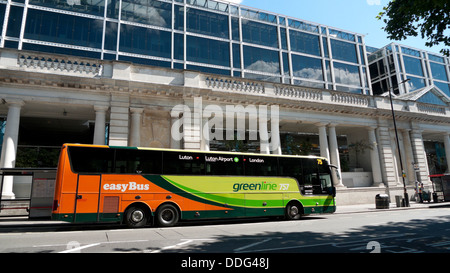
{"x": 429, "y": 18}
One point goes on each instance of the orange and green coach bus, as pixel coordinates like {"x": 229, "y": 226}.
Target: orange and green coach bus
{"x": 143, "y": 186}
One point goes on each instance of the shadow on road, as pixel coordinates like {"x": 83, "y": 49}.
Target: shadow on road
{"x": 415, "y": 236}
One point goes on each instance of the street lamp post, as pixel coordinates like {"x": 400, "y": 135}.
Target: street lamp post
{"x": 405, "y": 192}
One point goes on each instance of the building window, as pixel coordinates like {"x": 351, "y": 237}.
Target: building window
{"x": 262, "y": 60}
{"x": 93, "y": 7}
{"x": 413, "y": 66}
{"x": 347, "y": 74}
{"x": 145, "y": 41}
{"x": 147, "y": 12}
{"x": 307, "y": 68}
{"x": 304, "y": 43}
{"x": 208, "y": 51}
{"x": 64, "y": 29}
{"x": 260, "y": 34}
{"x": 438, "y": 72}
{"x": 207, "y": 23}
{"x": 344, "y": 51}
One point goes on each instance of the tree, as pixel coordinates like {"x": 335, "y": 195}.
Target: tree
{"x": 430, "y": 18}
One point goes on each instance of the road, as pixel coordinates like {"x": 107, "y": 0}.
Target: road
{"x": 402, "y": 231}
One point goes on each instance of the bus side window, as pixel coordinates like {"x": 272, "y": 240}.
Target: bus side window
{"x": 217, "y": 164}
{"x": 138, "y": 161}
{"x": 291, "y": 167}
{"x": 183, "y": 163}
{"x": 261, "y": 166}
{"x": 91, "y": 160}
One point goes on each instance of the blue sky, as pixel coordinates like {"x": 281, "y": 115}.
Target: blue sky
{"x": 352, "y": 15}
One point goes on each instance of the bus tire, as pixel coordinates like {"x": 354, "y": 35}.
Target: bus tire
{"x": 136, "y": 216}
{"x": 294, "y": 211}
{"x": 167, "y": 215}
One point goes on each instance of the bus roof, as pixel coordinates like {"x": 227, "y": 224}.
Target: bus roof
{"x": 193, "y": 151}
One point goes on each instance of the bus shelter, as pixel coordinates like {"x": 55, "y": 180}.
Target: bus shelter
{"x": 37, "y": 191}
{"x": 441, "y": 186}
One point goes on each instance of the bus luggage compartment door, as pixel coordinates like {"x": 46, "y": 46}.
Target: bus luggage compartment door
{"x": 87, "y": 196}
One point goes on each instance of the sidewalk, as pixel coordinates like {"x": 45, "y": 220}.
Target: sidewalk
{"x": 24, "y": 222}
{"x": 371, "y": 207}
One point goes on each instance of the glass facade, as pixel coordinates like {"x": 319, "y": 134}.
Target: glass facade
{"x": 203, "y": 35}
{"x": 395, "y": 63}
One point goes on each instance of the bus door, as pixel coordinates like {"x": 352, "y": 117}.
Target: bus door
{"x": 87, "y": 198}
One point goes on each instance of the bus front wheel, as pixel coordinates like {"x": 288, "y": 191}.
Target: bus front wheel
{"x": 167, "y": 215}
{"x": 294, "y": 211}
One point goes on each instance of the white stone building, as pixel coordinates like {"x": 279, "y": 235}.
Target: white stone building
{"x": 136, "y": 101}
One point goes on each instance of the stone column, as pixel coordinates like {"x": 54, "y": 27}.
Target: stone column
{"x": 375, "y": 158}
{"x": 119, "y": 120}
{"x": 420, "y": 156}
{"x": 324, "y": 149}
{"x": 175, "y": 134}
{"x": 9, "y": 148}
{"x": 447, "y": 149}
{"x": 334, "y": 156}
{"x": 204, "y": 141}
{"x": 100, "y": 127}
{"x": 263, "y": 136}
{"x": 135, "y": 130}
{"x": 409, "y": 158}
{"x": 387, "y": 156}
{"x": 275, "y": 141}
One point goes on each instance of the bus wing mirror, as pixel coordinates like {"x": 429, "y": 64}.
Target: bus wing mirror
{"x": 332, "y": 191}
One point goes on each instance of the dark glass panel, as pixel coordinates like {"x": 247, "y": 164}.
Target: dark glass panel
{"x": 283, "y": 36}
{"x": 259, "y": 33}
{"x": 179, "y": 17}
{"x": 15, "y": 21}
{"x": 208, "y": 51}
{"x": 344, "y": 51}
{"x": 304, "y": 43}
{"x": 178, "y": 46}
{"x": 207, "y": 23}
{"x": 236, "y": 56}
{"x": 111, "y": 36}
{"x": 2, "y": 15}
{"x": 145, "y": 41}
{"x": 113, "y": 9}
{"x": 286, "y": 64}
{"x": 235, "y": 28}
{"x": 64, "y": 29}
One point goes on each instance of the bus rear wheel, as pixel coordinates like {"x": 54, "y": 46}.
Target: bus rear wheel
{"x": 167, "y": 215}
{"x": 136, "y": 216}
{"x": 294, "y": 211}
